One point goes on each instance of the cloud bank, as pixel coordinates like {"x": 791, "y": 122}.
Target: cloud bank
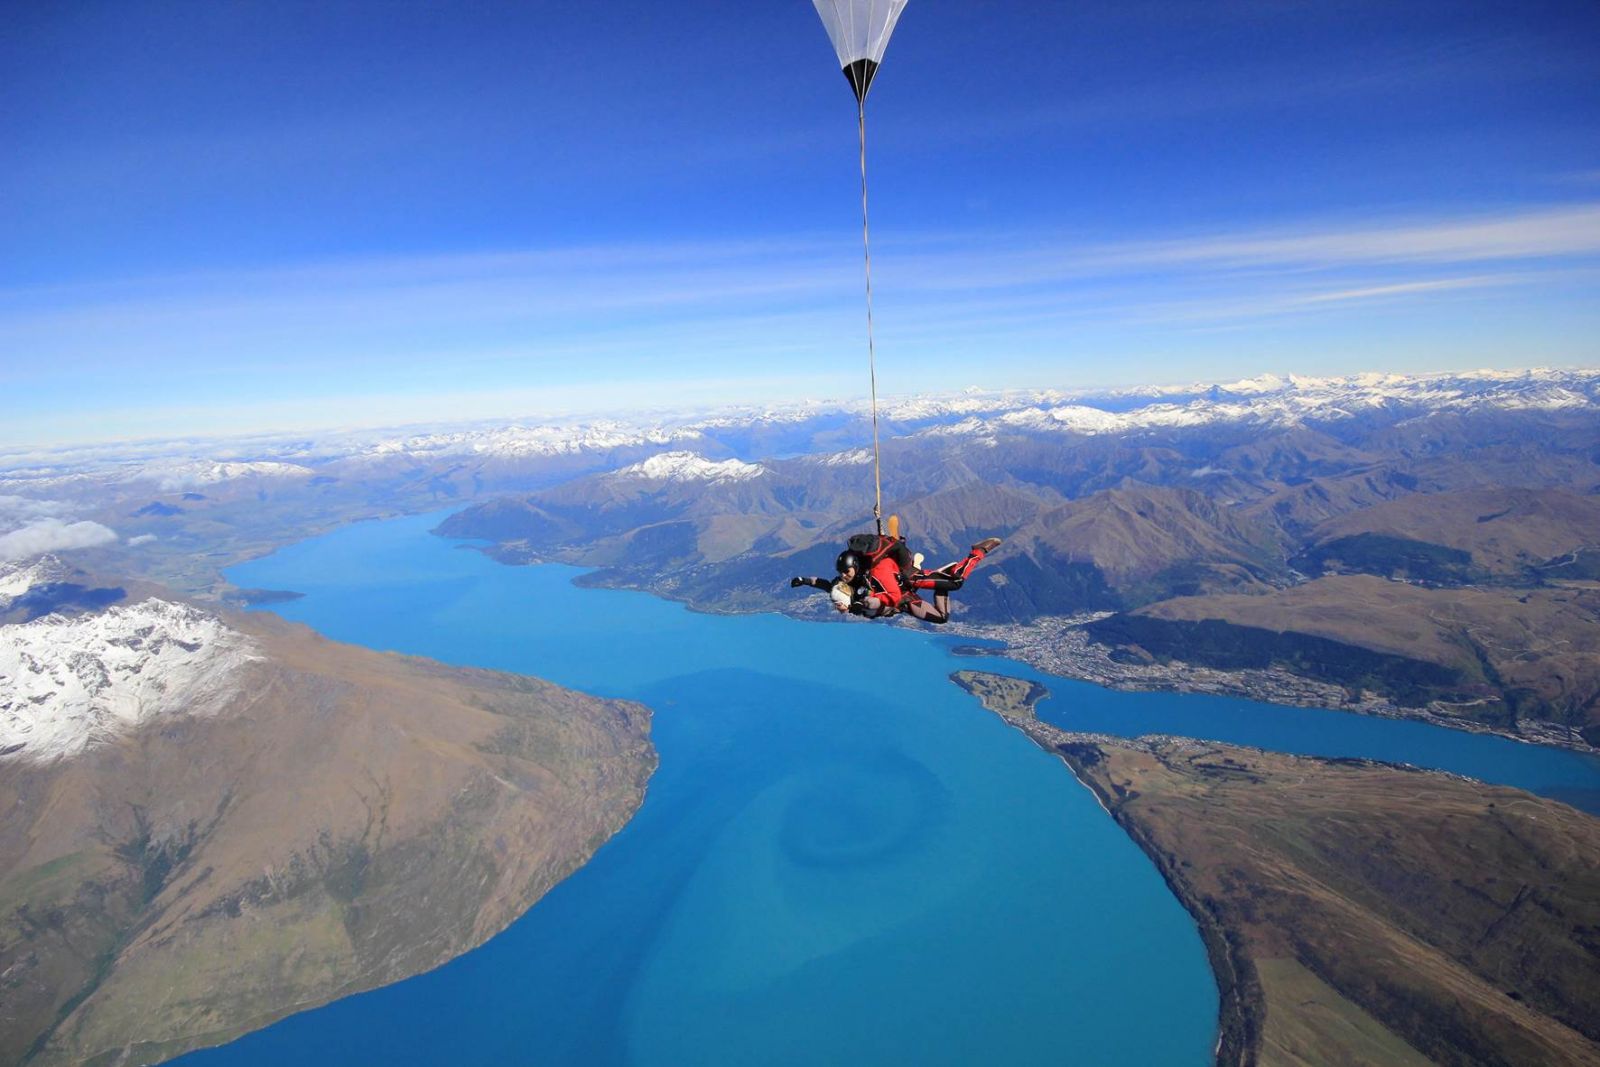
{"x": 52, "y": 535}
{"x": 21, "y": 510}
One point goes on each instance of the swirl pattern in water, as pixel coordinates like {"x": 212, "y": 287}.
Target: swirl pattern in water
{"x": 851, "y": 815}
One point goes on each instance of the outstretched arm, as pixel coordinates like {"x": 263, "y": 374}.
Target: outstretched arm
{"x": 815, "y": 583}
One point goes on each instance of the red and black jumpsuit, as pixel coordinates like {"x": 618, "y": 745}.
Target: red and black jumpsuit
{"x": 894, "y": 582}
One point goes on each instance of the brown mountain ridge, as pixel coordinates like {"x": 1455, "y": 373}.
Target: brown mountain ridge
{"x": 348, "y": 819}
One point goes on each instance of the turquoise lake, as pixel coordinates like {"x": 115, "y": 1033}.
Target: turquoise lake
{"x": 842, "y": 858}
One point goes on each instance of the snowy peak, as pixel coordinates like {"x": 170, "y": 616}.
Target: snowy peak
{"x": 1073, "y": 417}
{"x": 968, "y": 403}
{"x": 66, "y": 683}
{"x": 1466, "y": 390}
{"x": 690, "y": 467}
{"x": 47, "y": 585}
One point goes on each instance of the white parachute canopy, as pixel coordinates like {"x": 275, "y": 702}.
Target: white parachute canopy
{"x": 859, "y": 30}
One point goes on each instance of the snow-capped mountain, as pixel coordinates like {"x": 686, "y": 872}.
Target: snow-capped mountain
{"x": 192, "y": 474}
{"x": 690, "y": 467}
{"x": 66, "y": 683}
{"x": 552, "y": 440}
{"x": 46, "y": 585}
{"x": 1273, "y": 400}
{"x": 970, "y": 402}
{"x": 170, "y": 474}
{"x": 18, "y": 577}
{"x": 799, "y": 428}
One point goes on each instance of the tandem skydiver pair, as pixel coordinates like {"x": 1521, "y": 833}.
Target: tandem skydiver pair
{"x": 879, "y": 577}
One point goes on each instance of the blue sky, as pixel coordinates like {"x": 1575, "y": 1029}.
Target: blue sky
{"x": 253, "y": 216}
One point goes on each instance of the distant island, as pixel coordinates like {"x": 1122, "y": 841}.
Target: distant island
{"x": 1357, "y": 912}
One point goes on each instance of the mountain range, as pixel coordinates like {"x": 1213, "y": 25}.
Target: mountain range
{"x": 1245, "y": 506}
{"x": 1110, "y": 501}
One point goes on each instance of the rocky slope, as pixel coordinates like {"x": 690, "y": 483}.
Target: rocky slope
{"x": 216, "y": 820}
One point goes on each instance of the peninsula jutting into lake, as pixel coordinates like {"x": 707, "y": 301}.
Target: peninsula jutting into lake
{"x": 1356, "y": 911}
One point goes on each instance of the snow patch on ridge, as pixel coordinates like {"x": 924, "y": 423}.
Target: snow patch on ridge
{"x": 17, "y": 578}
{"x": 67, "y": 683}
{"x": 1074, "y": 417}
{"x": 854, "y": 458}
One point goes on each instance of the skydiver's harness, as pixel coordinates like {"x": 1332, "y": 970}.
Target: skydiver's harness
{"x": 874, "y": 550}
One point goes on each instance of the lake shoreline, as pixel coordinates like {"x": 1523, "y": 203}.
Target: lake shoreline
{"x": 1303, "y": 924}
{"x": 1081, "y": 661}
{"x": 1091, "y": 664}
{"x": 839, "y": 807}
{"x": 358, "y": 565}
{"x": 1239, "y": 1014}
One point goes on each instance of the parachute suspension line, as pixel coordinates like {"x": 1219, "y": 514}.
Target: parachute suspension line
{"x": 872, "y": 358}
{"x": 859, "y": 31}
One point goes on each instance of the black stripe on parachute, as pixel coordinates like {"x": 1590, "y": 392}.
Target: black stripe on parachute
{"x": 859, "y": 75}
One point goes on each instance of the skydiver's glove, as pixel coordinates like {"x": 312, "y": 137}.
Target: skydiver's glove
{"x": 795, "y": 583}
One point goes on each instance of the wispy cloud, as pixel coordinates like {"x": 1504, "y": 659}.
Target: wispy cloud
{"x": 575, "y": 284}
{"x": 587, "y": 318}
{"x": 1268, "y": 305}
{"x": 1552, "y": 233}
{"x": 1385, "y": 292}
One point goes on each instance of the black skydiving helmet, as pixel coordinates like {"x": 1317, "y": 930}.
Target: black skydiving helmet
{"x": 847, "y": 560}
